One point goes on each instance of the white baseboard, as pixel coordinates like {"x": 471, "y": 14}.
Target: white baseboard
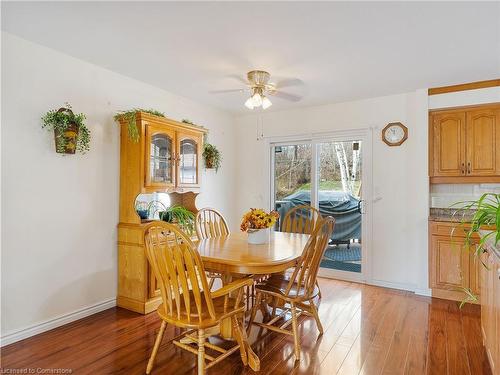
{"x": 392, "y": 285}
{"x": 427, "y": 292}
{"x": 381, "y": 283}
{"x": 35, "y": 329}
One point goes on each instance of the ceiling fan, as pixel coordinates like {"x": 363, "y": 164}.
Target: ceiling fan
{"x": 260, "y": 88}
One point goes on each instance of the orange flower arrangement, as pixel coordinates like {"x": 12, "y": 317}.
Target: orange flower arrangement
{"x": 257, "y": 218}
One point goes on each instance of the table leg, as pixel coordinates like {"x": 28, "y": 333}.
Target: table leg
{"x": 226, "y": 331}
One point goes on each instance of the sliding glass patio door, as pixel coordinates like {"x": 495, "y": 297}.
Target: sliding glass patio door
{"x": 328, "y": 175}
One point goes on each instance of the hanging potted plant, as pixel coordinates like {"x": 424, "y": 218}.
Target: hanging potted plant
{"x": 130, "y": 119}
{"x": 70, "y": 132}
{"x": 211, "y": 156}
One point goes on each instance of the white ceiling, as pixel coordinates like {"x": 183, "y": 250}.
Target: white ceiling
{"x": 341, "y": 51}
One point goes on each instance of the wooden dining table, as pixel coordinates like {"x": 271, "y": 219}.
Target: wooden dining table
{"x": 232, "y": 256}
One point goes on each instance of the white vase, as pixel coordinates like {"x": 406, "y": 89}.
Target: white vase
{"x": 259, "y": 236}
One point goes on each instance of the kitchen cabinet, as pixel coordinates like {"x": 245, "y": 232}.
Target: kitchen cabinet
{"x": 490, "y": 308}
{"x": 452, "y": 265}
{"x": 463, "y": 145}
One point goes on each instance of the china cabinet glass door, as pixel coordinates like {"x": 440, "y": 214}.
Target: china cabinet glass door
{"x": 160, "y": 161}
{"x": 188, "y": 159}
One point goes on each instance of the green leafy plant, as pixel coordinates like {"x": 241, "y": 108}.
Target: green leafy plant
{"x": 71, "y": 133}
{"x": 486, "y": 212}
{"x": 179, "y": 215}
{"x": 211, "y": 156}
{"x": 130, "y": 118}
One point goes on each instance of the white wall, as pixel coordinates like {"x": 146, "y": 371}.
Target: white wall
{"x": 60, "y": 213}
{"x": 399, "y": 240}
{"x": 464, "y": 98}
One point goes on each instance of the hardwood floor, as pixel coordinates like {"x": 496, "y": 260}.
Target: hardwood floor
{"x": 368, "y": 330}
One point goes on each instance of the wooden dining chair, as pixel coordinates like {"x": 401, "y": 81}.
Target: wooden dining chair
{"x": 296, "y": 292}
{"x": 210, "y": 223}
{"x": 301, "y": 219}
{"x": 187, "y": 301}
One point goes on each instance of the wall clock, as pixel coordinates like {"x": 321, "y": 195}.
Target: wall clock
{"x": 394, "y": 134}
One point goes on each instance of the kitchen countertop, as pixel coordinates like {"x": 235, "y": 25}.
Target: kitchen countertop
{"x": 454, "y": 215}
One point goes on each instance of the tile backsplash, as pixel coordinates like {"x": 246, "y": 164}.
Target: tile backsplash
{"x": 445, "y": 195}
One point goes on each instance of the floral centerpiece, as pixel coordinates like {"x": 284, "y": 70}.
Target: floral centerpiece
{"x": 258, "y": 223}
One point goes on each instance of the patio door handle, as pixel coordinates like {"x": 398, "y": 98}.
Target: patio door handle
{"x": 361, "y": 206}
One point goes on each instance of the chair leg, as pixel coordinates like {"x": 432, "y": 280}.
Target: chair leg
{"x": 201, "y": 352}
{"x": 156, "y": 346}
{"x": 296, "y": 343}
{"x": 211, "y": 283}
{"x": 238, "y": 334}
{"x": 275, "y": 302}
{"x": 254, "y": 311}
{"x": 319, "y": 290}
{"x": 314, "y": 310}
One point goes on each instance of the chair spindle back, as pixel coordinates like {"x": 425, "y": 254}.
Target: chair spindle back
{"x": 178, "y": 268}
{"x": 210, "y": 223}
{"x": 306, "y": 271}
{"x": 300, "y": 219}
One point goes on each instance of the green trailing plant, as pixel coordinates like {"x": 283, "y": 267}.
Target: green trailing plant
{"x": 179, "y": 215}
{"x": 212, "y": 156}
{"x": 130, "y": 118}
{"x": 486, "y": 212}
{"x": 71, "y": 133}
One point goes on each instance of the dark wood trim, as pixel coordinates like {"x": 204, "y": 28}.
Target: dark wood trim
{"x": 464, "y": 87}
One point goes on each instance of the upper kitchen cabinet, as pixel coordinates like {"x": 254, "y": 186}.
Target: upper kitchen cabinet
{"x": 483, "y": 139}
{"x": 463, "y": 145}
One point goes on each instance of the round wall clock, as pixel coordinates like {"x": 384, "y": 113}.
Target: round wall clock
{"x": 394, "y": 134}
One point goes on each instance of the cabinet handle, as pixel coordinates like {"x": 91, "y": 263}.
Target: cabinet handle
{"x": 468, "y": 167}
{"x": 463, "y": 168}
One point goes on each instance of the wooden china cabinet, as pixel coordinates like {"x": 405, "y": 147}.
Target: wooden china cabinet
{"x": 166, "y": 159}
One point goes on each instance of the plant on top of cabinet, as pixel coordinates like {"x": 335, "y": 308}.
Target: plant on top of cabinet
{"x": 129, "y": 117}
{"x": 70, "y": 132}
{"x": 211, "y": 156}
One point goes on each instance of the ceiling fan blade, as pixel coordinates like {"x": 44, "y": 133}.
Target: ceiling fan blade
{"x": 289, "y": 82}
{"x": 238, "y": 78}
{"x": 286, "y": 96}
{"x": 226, "y": 91}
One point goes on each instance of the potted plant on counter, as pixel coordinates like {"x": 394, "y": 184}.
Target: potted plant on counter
{"x": 484, "y": 223}
{"x": 179, "y": 215}
{"x": 258, "y": 223}
{"x": 70, "y": 132}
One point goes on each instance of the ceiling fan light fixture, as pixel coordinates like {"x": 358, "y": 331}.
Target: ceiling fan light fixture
{"x": 249, "y": 103}
{"x": 257, "y": 100}
{"x": 266, "y": 103}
